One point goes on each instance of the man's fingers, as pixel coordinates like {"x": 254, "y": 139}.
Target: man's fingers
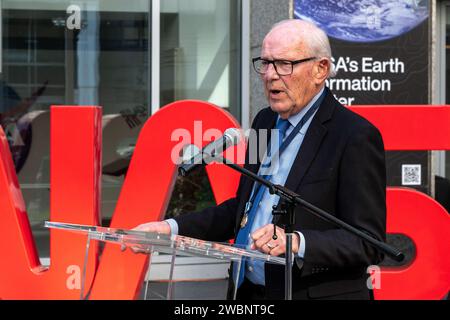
{"x": 159, "y": 227}
{"x": 262, "y": 241}
{"x": 261, "y": 231}
{"x": 137, "y": 249}
{"x": 147, "y": 227}
{"x": 261, "y": 236}
{"x": 278, "y": 250}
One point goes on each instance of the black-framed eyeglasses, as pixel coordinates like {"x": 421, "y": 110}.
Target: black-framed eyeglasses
{"x": 282, "y": 67}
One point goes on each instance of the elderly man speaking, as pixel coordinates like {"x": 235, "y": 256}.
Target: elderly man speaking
{"x": 330, "y": 156}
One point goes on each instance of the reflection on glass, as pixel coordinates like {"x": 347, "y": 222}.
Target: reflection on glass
{"x": 49, "y": 60}
{"x": 200, "y": 52}
{"x": 145, "y": 242}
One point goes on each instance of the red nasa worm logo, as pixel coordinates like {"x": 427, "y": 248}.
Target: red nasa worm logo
{"x": 75, "y": 198}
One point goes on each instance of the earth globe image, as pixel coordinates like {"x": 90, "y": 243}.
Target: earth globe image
{"x": 365, "y": 20}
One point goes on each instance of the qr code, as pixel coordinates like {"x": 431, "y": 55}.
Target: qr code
{"x": 411, "y": 175}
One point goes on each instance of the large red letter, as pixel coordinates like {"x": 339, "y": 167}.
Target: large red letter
{"x": 148, "y": 186}
{"x": 427, "y": 223}
{"x": 75, "y": 196}
{"x": 75, "y": 183}
{"x": 412, "y": 213}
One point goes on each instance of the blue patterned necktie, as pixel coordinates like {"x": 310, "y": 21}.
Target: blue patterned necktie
{"x": 244, "y": 232}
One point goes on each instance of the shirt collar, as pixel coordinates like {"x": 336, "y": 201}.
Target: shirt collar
{"x": 295, "y": 119}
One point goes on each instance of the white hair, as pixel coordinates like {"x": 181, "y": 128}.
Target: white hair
{"x": 315, "y": 38}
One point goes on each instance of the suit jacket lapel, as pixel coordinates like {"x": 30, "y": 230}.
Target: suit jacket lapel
{"x": 267, "y": 123}
{"x": 306, "y": 155}
{"x": 311, "y": 144}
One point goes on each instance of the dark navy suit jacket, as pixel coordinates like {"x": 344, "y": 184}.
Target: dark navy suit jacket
{"x": 339, "y": 168}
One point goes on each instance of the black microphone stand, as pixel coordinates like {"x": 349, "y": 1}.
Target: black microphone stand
{"x": 290, "y": 201}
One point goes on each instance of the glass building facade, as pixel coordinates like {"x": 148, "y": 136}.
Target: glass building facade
{"x": 129, "y": 57}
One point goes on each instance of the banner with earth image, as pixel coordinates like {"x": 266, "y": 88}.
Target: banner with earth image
{"x": 381, "y": 54}
{"x": 380, "y": 48}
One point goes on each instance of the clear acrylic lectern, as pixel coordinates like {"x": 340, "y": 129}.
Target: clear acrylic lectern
{"x": 175, "y": 245}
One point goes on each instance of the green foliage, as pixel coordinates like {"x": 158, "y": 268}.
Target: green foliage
{"x": 191, "y": 193}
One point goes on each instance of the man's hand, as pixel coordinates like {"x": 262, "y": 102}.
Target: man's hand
{"x": 158, "y": 227}
{"x": 263, "y": 241}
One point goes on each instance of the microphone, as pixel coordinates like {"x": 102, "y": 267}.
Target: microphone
{"x": 231, "y": 137}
